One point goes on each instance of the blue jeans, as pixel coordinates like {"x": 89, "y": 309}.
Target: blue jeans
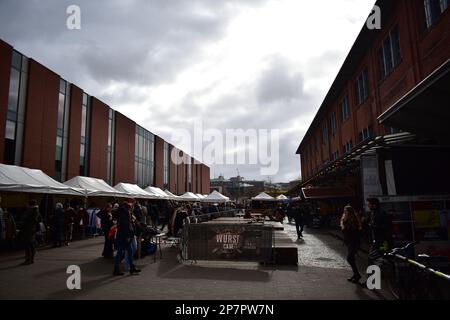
{"x": 122, "y": 248}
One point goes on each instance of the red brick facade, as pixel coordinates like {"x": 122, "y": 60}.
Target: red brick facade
{"x": 41, "y": 119}
{"x": 124, "y": 149}
{"x": 422, "y": 51}
{"x": 159, "y": 162}
{"x": 98, "y": 151}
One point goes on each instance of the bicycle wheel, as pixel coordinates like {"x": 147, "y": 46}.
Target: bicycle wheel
{"x": 391, "y": 275}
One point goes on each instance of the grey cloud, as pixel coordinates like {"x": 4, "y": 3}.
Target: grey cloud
{"x": 279, "y": 82}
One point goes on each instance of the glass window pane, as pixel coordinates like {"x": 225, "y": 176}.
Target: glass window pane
{"x": 16, "y": 60}
{"x": 388, "y": 55}
{"x": 13, "y": 90}
{"x": 62, "y": 86}
{"x": 83, "y": 121}
{"x": 10, "y": 132}
{"x": 61, "y": 104}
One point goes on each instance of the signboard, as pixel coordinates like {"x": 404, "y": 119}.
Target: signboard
{"x": 218, "y": 242}
{"x": 370, "y": 177}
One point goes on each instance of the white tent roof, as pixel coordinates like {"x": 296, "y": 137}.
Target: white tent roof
{"x": 95, "y": 187}
{"x": 189, "y": 196}
{"x": 172, "y": 196}
{"x": 158, "y": 192}
{"x": 135, "y": 191}
{"x": 19, "y": 179}
{"x": 263, "y": 197}
{"x": 200, "y": 196}
{"x": 216, "y": 196}
{"x": 282, "y": 197}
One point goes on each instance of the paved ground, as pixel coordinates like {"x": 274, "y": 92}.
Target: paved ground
{"x": 321, "y": 274}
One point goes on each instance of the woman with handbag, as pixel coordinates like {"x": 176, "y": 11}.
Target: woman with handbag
{"x": 351, "y": 228}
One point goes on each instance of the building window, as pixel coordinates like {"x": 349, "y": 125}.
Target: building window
{"x": 84, "y": 147}
{"x": 390, "y": 54}
{"x": 61, "y": 134}
{"x": 345, "y": 107}
{"x": 434, "y": 9}
{"x": 189, "y": 175}
{"x": 166, "y": 165}
{"x": 362, "y": 87}
{"x": 16, "y": 109}
{"x": 366, "y": 134}
{"x": 325, "y": 134}
{"x": 111, "y": 143}
{"x": 333, "y": 124}
{"x": 348, "y": 147}
{"x": 144, "y": 157}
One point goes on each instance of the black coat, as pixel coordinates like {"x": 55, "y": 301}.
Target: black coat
{"x": 31, "y": 224}
{"x": 125, "y": 228}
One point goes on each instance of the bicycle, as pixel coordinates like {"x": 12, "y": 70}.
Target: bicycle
{"x": 408, "y": 279}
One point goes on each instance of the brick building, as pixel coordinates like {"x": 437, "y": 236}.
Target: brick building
{"x": 382, "y": 128}
{"x": 50, "y": 124}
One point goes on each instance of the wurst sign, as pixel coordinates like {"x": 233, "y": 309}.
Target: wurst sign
{"x": 236, "y": 243}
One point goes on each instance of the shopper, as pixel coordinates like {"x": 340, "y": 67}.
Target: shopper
{"x": 29, "y": 228}
{"x": 124, "y": 238}
{"x": 299, "y": 217}
{"x": 69, "y": 223}
{"x": 351, "y": 229}
{"x": 380, "y": 230}
{"x": 106, "y": 220}
{"x": 58, "y": 225}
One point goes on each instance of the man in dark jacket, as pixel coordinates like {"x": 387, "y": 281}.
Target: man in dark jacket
{"x": 380, "y": 230}
{"x": 124, "y": 238}
{"x": 29, "y": 228}
{"x": 299, "y": 217}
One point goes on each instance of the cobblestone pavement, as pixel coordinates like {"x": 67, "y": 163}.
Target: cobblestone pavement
{"x": 321, "y": 274}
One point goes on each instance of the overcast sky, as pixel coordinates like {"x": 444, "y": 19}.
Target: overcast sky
{"x": 258, "y": 64}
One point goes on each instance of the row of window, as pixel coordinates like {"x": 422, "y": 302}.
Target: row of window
{"x": 433, "y": 10}
{"x": 144, "y": 157}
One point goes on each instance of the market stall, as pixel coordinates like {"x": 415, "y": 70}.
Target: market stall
{"x": 135, "y": 191}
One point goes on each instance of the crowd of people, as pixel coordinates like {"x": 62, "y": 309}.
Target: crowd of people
{"x": 123, "y": 225}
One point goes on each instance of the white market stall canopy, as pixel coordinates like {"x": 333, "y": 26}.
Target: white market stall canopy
{"x": 282, "y": 198}
{"x": 94, "y": 187}
{"x": 158, "y": 192}
{"x": 189, "y": 196}
{"x": 134, "y": 191}
{"x": 200, "y": 196}
{"x": 172, "y": 196}
{"x": 263, "y": 197}
{"x": 216, "y": 197}
{"x": 19, "y": 179}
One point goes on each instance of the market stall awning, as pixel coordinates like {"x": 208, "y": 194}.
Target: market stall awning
{"x": 189, "y": 196}
{"x": 157, "y": 192}
{"x": 216, "y": 197}
{"x": 327, "y": 193}
{"x": 171, "y": 195}
{"x": 425, "y": 109}
{"x": 282, "y": 198}
{"x": 94, "y": 187}
{"x": 135, "y": 191}
{"x": 263, "y": 197}
{"x": 19, "y": 179}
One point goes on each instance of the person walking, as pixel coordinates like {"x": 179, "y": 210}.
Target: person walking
{"x": 351, "y": 229}
{"x": 299, "y": 217}
{"x": 124, "y": 238}
{"x": 29, "y": 228}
